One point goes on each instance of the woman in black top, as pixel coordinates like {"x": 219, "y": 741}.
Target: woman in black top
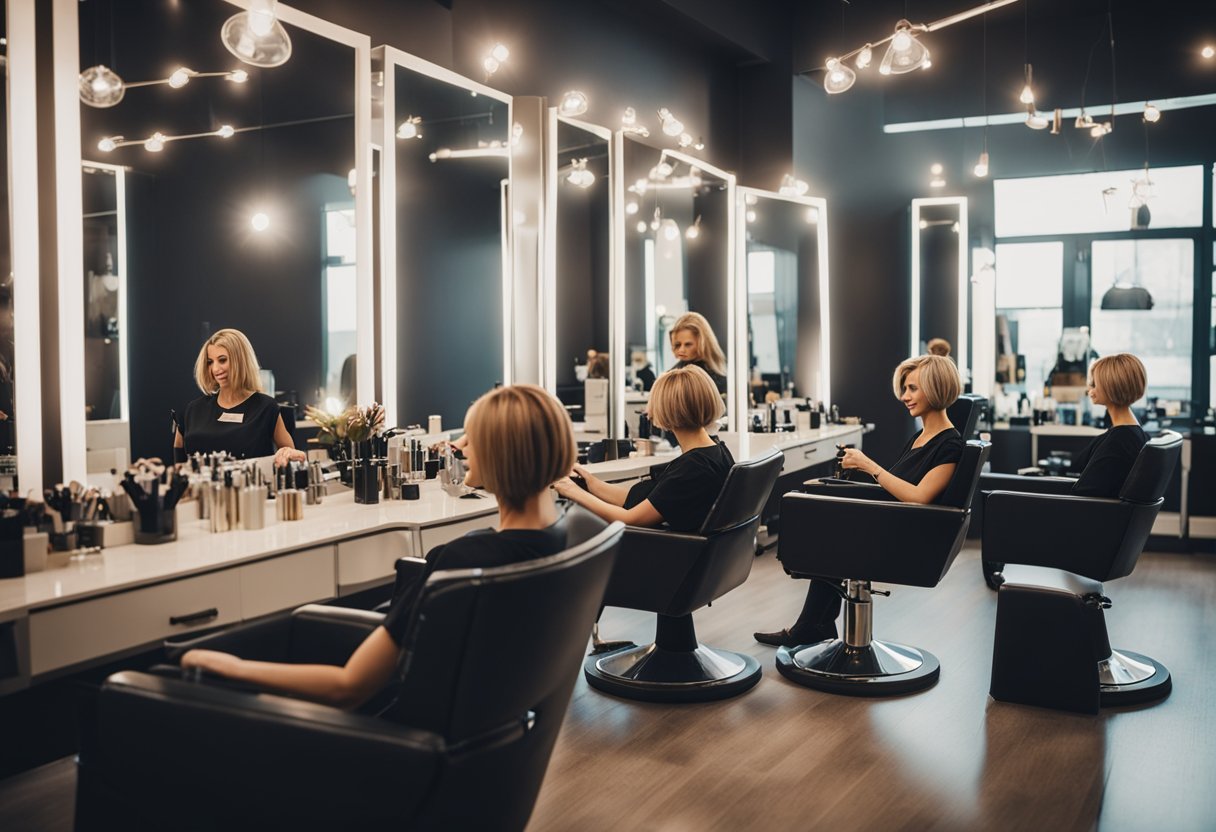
{"x": 1116, "y": 382}
{"x": 685, "y": 401}
{"x": 694, "y": 344}
{"x": 233, "y": 414}
{"x": 518, "y": 442}
{"x": 927, "y": 386}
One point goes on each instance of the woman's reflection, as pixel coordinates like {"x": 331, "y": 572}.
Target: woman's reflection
{"x": 693, "y": 343}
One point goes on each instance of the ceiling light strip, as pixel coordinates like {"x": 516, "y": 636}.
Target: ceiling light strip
{"x": 1122, "y": 109}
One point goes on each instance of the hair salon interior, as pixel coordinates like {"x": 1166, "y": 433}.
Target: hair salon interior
{"x": 413, "y": 202}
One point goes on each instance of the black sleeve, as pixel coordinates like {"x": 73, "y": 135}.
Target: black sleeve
{"x": 684, "y": 495}
{"x": 1106, "y": 469}
{"x": 950, "y": 452}
{"x": 461, "y": 553}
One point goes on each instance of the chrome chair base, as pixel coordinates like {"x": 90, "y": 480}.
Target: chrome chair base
{"x": 651, "y": 673}
{"x": 880, "y": 668}
{"x": 1127, "y": 678}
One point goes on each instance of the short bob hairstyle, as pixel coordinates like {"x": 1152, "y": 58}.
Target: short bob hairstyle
{"x": 685, "y": 398}
{"x": 1122, "y": 378}
{"x": 522, "y": 440}
{"x": 939, "y": 379}
{"x": 242, "y": 363}
{"x": 708, "y": 349}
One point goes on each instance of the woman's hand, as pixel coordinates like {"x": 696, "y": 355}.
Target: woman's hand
{"x": 284, "y": 455}
{"x": 580, "y": 471}
{"x": 566, "y": 487}
{"x": 854, "y": 458}
{"x": 212, "y": 661}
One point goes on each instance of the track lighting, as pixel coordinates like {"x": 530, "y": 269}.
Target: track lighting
{"x": 981, "y": 167}
{"x": 905, "y": 53}
{"x": 672, "y": 126}
{"x": 157, "y": 141}
{"x": 839, "y": 78}
{"x": 1151, "y": 114}
{"x": 1036, "y": 120}
{"x": 573, "y": 103}
{"x": 408, "y": 129}
{"x": 101, "y": 86}
{"x": 864, "y": 57}
{"x": 256, "y": 36}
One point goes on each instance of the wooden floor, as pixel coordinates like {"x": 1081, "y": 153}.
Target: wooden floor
{"x": 783, "y": 757}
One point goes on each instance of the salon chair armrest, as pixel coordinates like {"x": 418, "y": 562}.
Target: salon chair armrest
{"x": 1026, "y": 485}
{"x": 1084, "y": 535}
{"x": 833, "y": 487}
{"x": 270, "y": 761}
{"x": 888, "y": 541}
{"x": 311, "y": 634}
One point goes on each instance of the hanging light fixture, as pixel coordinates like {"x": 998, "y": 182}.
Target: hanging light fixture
{"x": 1027, "y": 96}
{"x": 792, "y": 186}
{"x": 579, "y": 176}
{"x": 1151, "y": 114}
{"x": 256, "y": 36}
{"x": 102, "y": 87}
{"x": 839, "y": 78}
{"x": 672, "y": 126}
{"x": 157, "y": 141}
{"x": 694, "y": 231}
{"x": 864, "y": 57}
{"x": 905, "y": 53}
{"x": 981, "y": 166}
{"x": 573, "y": 103}
{"x": 629, "y": 123}
{"x": 408, "y": 129}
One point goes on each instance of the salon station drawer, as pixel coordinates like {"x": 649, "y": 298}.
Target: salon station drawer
{"x": 369, "y": 560}
{"x": 74, "y": 633}
{"x": 287, "y": 582}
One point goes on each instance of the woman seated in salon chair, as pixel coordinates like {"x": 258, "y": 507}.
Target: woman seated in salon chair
{"x": 519, "y": 441}
{"x": 1115, "y": 382}
{"x": 233, "y": 414}
{"x": 685, "y": 401}
{"x": 926, "y": 385}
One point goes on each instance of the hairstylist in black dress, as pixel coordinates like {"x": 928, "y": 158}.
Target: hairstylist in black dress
{"x": 927, "y": 386}
{"x": 1116, "y": 382}
{"x": 685, "y": 401}
{"x": 693, "y": 343}
{"x": 233, "y": 414}
{"x": 518, "y": 442}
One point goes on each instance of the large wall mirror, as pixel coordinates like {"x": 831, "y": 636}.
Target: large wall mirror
{"x": 445, "y": 165}
{"x": 940, "y": 277}
{"x": 678, "y": 243}
{"x": 217, "y": 192}
{"x": 578, "y": 358}
{"x": 784, "y": 257}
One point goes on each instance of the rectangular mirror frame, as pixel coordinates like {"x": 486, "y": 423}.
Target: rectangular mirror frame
{"x": 960, "y": 350}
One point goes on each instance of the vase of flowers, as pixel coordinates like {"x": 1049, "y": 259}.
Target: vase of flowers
{"x": 331, "y": 435}
{"x": 362, "y": 425}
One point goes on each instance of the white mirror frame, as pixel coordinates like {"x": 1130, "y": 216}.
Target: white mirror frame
{"x": 960, "y": 350}
{"x": 70, "y": 232}
{"x": 22, "y": 161}
{"x": 386, "y": 58}
{"x": 736, "y": 403}
{"x": 739, "y": 373}
{"x": 549, "y": 280}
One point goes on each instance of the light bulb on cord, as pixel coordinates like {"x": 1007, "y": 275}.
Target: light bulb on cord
{"x": 630, "y": 117}
{"x": 672, "y": 126}
{"x": 838, "y": 78}
{"x": 641, "y": 226}
{"x": 408, "y": 129}
{"x": 237, "y": 76}
{"x": 865, "y": 56}
{"x": 750, "y": 216}
{"x": 108, "y": 143}
{"x": 260, "y": 222}
{"x": 671, "y": 231}
{"x": 905, "y": 54}
{"x": 1208, "y": 52}
{"x": 1027, "y": 96}
{"x": 256, "y": 36}
{"x": 180, "y": 77}
{"x": 573, "y": 103}
{"x": 226, "y": 131}
{"x": 694, "y": 231}
{"x": 981, "y": 167}
{"x": 490, "y": 64}
{"x": 699, "y": 144}
{"x": 500, "y": 52}
{"x": 1097, "y": 131}
{"x": 1151, "y": 114}
{"x": 1034, "y": 120}
{"x": 156, "y": 143}
{"x": 657, "y": 221}
{"x": 685, "y": 140}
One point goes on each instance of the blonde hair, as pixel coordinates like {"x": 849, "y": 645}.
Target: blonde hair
{"x": 684, "y": 399}
{"x": 708, "y": 349}
{"x": 523, "y": 442}
{"x": 938, "y": 346}
{"x": 939, "y": 379}
{"x": 1122, "y": 377}
{"x": 243, "y": 370}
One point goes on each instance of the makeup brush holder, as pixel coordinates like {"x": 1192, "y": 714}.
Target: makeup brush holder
{"x": 155, "y": 524}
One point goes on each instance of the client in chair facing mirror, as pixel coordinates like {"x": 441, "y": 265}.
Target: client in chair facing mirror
{"x": 685, "y": 401}
{"x": 519, "y": 442}
{"x": 926, "y": 385}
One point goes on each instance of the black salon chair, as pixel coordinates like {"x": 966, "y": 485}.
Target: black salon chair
{"x": 672, "y": 574}
{"x": 991, "y": 569}
{"x": 488, "y": 664}
{"x": 965, "y": 413}
{"x": 1051, "y": 648}
{"x": 853, "y": 534}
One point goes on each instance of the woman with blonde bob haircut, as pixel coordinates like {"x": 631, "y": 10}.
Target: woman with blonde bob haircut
{"x": 926, "y": 385}
{"x": 233, "y": 414}
{"x": 686, "y": 402}
{"x": 517, "y": 441}
{"x": 693, "y": 343}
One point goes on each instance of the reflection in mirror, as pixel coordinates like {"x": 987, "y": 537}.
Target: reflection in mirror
{"x": 939, "y": 278}
{"x": 8, "y": 439}
{"x": 443, "y": 207}
{"x": 678, "y": 257}
{"x": 580, "y": 236}
{"x": 240, "y": 196}
{"x": 787, "y": 297}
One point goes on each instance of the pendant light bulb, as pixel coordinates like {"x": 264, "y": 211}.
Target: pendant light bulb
{"x": 671, "y": 231}
{"x": 500, "y": 52}
{"x": 101, "y": 87}
{"x": 1208, "y": 52}
{"x": 672, "y": 126}
{"x": 180, "y": 77}
{"x": 1151, "y": 114}
{"x": 838, "y": 78}
{"x": 1036, "y": 121}
{"x": 1097, "y": 131}
{"x": 981, "y": 167}
{"x": 694, "y": 231}
{"x": 750, "y": 216}
{"x": 256, "y": 36}
{"x": 865, "y": 56}
{"x": 641, "y": 226}
{"x": 260, "y": 222}
{"x": 237, "y": 76}
{"x": 107, "y": 144}
{"x": 155, "y": 143}
{"x": 573, "y": 103}
{"x": 630, "y": 117}
{"x": 902, "y": 41}
{"x": 408, "y": 129}
{"x": 631, "y": 208}
{"x": 1027, "y": 96}
{"x": 226, "y": 131}
{"x": 905, "y": 54}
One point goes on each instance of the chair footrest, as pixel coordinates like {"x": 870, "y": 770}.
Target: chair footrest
{"x": 881, "y": 668}
{"x": 1129, "y": 678}
{"x": 653, "y": 674}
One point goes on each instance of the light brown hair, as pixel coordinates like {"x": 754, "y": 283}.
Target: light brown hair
{"x": 522, "y": 441}
{"x": 685, "y": 398}
{"x": 243, "y": 370}
{"x": 939, "y": 379}
{"x": 938, "y": 346}
{"x": 708, "y": 349}
{"x": 1122, "y": 378}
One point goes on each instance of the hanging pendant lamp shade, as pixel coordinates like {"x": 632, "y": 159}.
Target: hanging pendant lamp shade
{"x": 100, "y": 86}
{"x": 1122, "y": 296}
{"x": 838, "y": 77}
{"x": 905, "y": 52}
{"x": 256, "y": 36}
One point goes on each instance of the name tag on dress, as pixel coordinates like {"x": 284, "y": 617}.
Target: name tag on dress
{"x": 238, "y": 418}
